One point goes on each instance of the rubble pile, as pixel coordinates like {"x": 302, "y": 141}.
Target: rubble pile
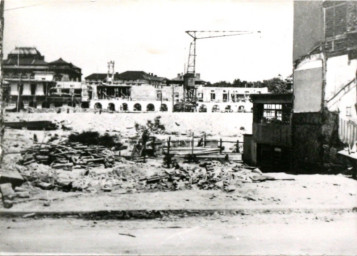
{"x": 126, "y": 176}
{"x": 207, "y": 176}
{"x": 68, "y": 155}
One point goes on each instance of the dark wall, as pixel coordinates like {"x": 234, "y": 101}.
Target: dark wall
{"x": 315, "y": 142}
{"x": 308, "y": 26}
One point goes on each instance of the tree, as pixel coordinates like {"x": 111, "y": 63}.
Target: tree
{"x": 277, "y": 85}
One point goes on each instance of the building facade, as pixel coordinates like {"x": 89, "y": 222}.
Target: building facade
{"x": 226, "y": 99}
{"x": 29, "y": 79}
{"x": 139, "y": 91}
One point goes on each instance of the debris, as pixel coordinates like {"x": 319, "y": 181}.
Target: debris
{"x": 7, "y": 191}
{"x": 257, "y": 170}
{"x": 13, "y": 177}
{"x": 45, "y": 185}
{"x": 230, "y": 188}
{"x": 7, "y": 203}
{"x": 47, "y": 203}
{"x": 32, "y": 125}
{"x": 29, "y": 215}
{"x": 124, "y": 234}
{"x": 68, "y": 155}
{"x": 23, "y": 194}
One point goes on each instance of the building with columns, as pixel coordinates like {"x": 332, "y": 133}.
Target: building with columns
{"x": 28, "y": 78}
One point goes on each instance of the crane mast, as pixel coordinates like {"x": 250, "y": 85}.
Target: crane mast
{"x": 190, "y": 87}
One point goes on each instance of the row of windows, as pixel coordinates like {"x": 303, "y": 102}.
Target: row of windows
{"x": 273, "y": 111}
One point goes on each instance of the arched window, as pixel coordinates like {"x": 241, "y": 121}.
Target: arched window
{"x": 215, "y": 108}
{"x": 228, "y": 108}
{"x": 150, "y": 107}
{"x": 137, "y": 107}
{"x": 97, "y": 106}
{"x": 85, "y": 105}
{"x": 202, "y": 108}
{"x": 163, "y": 107}
{"x": 111, "y": 106}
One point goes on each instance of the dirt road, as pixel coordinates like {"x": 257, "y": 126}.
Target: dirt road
{"x": 325, "y": 233}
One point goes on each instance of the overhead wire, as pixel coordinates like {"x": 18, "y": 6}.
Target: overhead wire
{"x": 25, "y": 6}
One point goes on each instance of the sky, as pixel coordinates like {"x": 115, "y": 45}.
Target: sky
{"x": 149, "y": 35}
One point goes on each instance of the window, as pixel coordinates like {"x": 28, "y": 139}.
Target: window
{"x": 348, "y": 111}
{"x": 335, "y": 20}
{"x": 272, "y": 111}
{"x": 213, "y": 96}
{"x": 33, "y": 89}
{"x": 158, "y": 95}
{"x": 225, "y": 97}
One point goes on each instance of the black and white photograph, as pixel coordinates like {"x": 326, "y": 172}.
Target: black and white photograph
{"x": 174, "y": 127}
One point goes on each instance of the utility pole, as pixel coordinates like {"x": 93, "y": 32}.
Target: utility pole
{"x": 2, "y": 105}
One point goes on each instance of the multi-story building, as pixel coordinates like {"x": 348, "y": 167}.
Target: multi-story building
{"x": 140, "y": 91}
{"x": 130, "y": 91}
{"x": 324, "y": 93}
{"x": 226, "y": 99}
{"x": 325, "y": 68}
{"x": 29, "y": 78}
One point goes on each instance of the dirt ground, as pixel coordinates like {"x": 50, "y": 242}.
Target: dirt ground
{"x": 255, "y": 234}
{"x": 218, "y": 124}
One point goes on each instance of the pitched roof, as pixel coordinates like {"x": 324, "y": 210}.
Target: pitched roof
{"x": 126, "y": 76}
{"x": 25, "y": 51}
{"x": 137, "y": 75}
{"x": 131, "y": 75}
{"x": 24, "y": 62}
{"x": 96, "y": 76}
{"x": 61, "y": 62}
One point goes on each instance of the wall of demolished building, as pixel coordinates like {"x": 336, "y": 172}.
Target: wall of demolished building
{"x": 306, "y": 36}
{"x": 340, "y": 70}
{"x": 324, "y": 90}
{"x": 308, "y": 79}
{"x": 315, "y": 142}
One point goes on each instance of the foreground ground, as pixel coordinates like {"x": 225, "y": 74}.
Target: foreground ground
{"x": 304, "y": 192}
{"x": 288, "y": 214}
{"x": 257, "y": 234}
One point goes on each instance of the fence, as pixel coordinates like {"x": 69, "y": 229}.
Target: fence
{"x": 347, "y": 131}
{"x": 203, "y": 143}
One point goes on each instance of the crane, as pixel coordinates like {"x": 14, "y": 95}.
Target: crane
{"x": 190, "y": 89}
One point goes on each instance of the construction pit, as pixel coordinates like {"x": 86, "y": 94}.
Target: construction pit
{"x": 145, "y": 162}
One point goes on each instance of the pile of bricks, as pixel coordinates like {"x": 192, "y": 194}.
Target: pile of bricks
{"x": 68, "y": 155}
{"x": 208, "y": 176}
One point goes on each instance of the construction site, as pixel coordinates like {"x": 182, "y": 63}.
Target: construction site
{"x": 135, "y": 163}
